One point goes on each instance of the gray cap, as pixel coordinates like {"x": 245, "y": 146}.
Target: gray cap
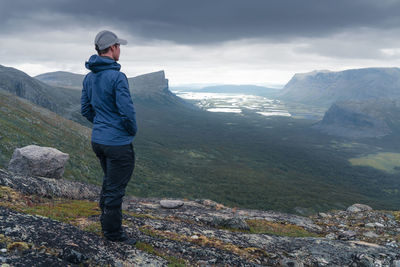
{"x": 106, "y": 39}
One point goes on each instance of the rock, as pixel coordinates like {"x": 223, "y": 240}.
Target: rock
{"x": 49, "y": 187}
{"x": 346, "y": 235}
{"x": 38, "y": 161}
{"x": 231, "y": 223}
{"x": 72, "y": 256}
{"x": 331, "y": 236}
{"x": 171, "y": 204}
{"x": 324, "y": 215}
{"x": 396, "y": 263}
{"x": 363, "y": 260}
{"x": 370, "y": 234}
{"x": 290, "y": 263}
{"x": 358, "y": 208}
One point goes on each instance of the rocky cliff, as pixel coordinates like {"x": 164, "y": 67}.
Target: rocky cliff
{"x": 355, "y": 119}
{"x": 323, "y": 88}
{"x": 60, "y": 231}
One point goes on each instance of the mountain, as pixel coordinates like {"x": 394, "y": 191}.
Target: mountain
{"x": 63, "y": 101}
{"x": 20, "y": 84}
{"x": 150, "y": 86}
{"x": 242, "y": 160}
{"x": 323, "y": 88}
{"x": 62, "y": 79}
{"x": 154, "y": 87}
{"x": 369, "y": 118}
{"x": 241, "y": 89}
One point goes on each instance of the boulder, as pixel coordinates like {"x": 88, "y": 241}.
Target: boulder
{"x": 358, "y": 208}
{"x": 38, "y": 161}
{"x": 171, "y": 204}
{"x": 230, "y": 222}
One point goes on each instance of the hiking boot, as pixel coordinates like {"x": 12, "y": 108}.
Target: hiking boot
{"x": 124, "y": 239}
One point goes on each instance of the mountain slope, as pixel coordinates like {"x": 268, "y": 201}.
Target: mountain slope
{"x": 63, "y": 101}
{"x": 62, "y": 79}
{"x": 23, "y": 123}
{"x": 239, "y": 160}
{"x": 322, "y": 88}
{"x": 370, "y": 118}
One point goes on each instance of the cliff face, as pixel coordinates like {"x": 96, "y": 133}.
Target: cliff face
{"x": 201, "y": 232}
{"x": 370, "y": 118}
{"x": 149, "y": 83}
{"x": 323, "y": 88}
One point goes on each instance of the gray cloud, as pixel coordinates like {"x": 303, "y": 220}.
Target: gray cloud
{"x": 219, "y": 41}
{"x": 192, "y": 22}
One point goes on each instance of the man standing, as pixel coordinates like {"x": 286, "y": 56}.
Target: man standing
{"x": 107, "y": 103}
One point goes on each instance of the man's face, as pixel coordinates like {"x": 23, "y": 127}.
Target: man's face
{"x": 115, "y": 49}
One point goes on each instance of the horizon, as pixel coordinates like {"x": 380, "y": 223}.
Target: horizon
{"x": 231, "y": 42}
{"x": 200, "y": 85}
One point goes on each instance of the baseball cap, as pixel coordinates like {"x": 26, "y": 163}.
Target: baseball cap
{"x": 106, "y": 39}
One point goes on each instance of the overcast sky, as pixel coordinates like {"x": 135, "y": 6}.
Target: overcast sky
{"x": 209, "y": 41}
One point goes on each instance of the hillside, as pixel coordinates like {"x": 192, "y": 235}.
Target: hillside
{"x": 23, "y": 123}
{"x": 42, "y": 231}
{"x": 62, "y": 79}
{"x": 323, "y": 88}
{"x": 370, "y": 118}
{"x": 239, "y": 160}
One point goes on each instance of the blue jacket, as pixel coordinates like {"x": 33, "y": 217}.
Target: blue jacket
{"x": 107, "y": 103}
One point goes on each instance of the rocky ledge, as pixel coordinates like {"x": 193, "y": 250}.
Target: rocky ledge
{"x": 38, "y": 231}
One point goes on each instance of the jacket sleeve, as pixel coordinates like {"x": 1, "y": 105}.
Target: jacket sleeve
{"x": 125, "y": 105}
{"x": 86, "y": 108}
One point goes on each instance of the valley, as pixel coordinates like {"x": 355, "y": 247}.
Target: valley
{"x": 239, "y": 159}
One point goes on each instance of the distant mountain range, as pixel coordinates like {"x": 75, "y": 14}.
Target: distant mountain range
{"x": 239, "y": 160}
{"x": 323, "y": 88}
{"x": 241, "y": 89}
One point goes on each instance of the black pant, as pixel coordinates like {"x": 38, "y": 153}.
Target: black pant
{"x": 117, "y": 163}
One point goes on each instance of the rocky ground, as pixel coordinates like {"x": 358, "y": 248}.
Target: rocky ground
{"x": 55, "y": 229}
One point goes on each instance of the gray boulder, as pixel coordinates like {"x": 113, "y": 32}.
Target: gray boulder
{"x": 38, "y": 161}
{"x": 358, "y": 208}
{"x": 171, "y": 204}
{"x": 230, "y": 222}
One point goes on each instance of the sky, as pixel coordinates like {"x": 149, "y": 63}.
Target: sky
{"x": 263, "y": 42}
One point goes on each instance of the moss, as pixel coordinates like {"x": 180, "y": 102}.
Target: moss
{"x": 397, "y": 215}
{"x": 65, "y": 211}
{"x": 21, "y": 246}
{"x": 172, "y": 261}
{"x": 139, "y": 215}
{"x": 272, "y": 228}
{"x": 249, "y": 253}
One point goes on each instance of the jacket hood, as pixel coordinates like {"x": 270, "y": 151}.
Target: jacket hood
{"x": 97, "y": 63}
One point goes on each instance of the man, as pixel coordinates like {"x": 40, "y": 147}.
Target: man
{"x": 107, "y": 103}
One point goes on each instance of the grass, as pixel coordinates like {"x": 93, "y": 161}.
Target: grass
{"x": 250, "y": 253}
{"x": 172, "y": 261}
{"x": 75, "y": 212}
{"x": 387, "y": 162}
{"x": 69, "y": 211}
{"x": 280, "y": 229}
